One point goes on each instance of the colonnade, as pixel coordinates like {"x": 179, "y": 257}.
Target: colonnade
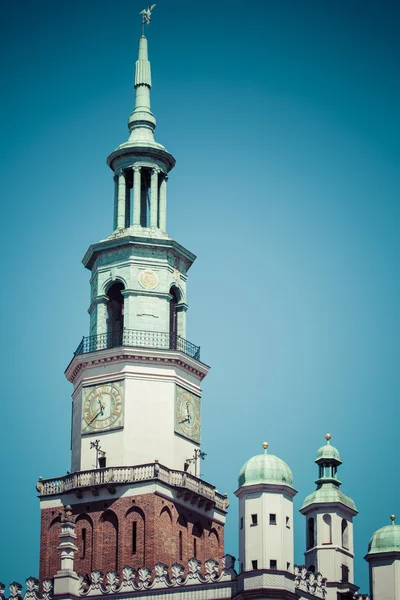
{"x": 141, "y": 180}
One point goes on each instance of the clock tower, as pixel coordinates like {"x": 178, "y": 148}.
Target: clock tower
{"x": 134, "y": 484}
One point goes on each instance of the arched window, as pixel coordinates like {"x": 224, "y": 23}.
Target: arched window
{"x": 109, "y": 541}
{"x": 327, "y": 529}
{"x": 84, "y": 542}
{"x": 173, "y": 317}
{"x": 310, "y": 533}
{"x": 115, "y": 315}
{"x": 345, "y": 534}
{"x": 198, "y": 539}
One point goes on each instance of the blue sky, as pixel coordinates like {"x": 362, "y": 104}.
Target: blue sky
{"x": 283, "y": 117}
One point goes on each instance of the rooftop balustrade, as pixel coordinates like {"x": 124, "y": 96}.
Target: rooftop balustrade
{"x": 109, "y": 477}
{"x": 135, "y": 338}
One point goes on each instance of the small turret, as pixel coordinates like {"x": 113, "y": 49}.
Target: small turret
{"x": 329, "y": 525}
{"x": 266, "y": 515}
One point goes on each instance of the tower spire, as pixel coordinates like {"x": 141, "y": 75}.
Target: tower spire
{"x": 142, "y": 122}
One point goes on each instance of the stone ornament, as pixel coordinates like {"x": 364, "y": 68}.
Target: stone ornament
{"x": 312, "y": 583}
{"x": 163, "y": 577}
{"x": 32, "y": 590}
{"x": 148, "y": 279}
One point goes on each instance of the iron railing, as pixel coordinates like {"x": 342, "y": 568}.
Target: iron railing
{"x": 135, "y": 338}
{"x": 111, "y": 476}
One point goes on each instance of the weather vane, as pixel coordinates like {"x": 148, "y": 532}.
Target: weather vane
{"x": 146, "y": 15}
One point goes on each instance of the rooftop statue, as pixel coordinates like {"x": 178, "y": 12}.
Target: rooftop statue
{"x": 146, "y": 12}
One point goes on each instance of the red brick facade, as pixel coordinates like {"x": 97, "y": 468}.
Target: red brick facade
{"x": 135, "y": 531}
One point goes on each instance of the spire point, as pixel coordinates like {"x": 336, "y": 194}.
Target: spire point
{"x": 328, "y": 438}
{"x": 265, "y": 446}
{"x": 393, "y": 518}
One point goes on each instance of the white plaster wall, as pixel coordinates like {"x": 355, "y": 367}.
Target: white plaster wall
{"x": 265, "y": 542}
{"x": 385, "y": 580}
{"x": 329, "y": 558}
{"x": 149, "y": 417}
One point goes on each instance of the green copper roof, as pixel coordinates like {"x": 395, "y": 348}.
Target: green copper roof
{"x": 328, "y": 452}
{"x": 386, "y": 539}
{"x": 265, "y": 468}
{"x": 329, "y": 493}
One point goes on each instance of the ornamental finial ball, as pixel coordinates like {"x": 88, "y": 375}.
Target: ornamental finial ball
{"x": 328, "y": 437}
{"x": 392, "y": 518}
{"x": 265, "y": 445}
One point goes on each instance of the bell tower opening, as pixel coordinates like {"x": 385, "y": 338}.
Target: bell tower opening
{"x": 173, "y": 317}
{"x": 115, "y": 315}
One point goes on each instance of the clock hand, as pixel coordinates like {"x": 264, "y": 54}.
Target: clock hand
{"x": 94, "y": 418}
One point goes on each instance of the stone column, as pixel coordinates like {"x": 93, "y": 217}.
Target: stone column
{"x": 136, "y": 194}
{"x": 66, "y": 581}
{"x": 154, "y": 197}
{"x": 115, "y": 202}
{"x": 121, "y": 200}
{"x": 163, "y": 204}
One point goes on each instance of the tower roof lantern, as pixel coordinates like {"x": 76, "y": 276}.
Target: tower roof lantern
{"x": 328, "y": 453}
{"x": 265, "y": 468}
{"x": 328, "y": 484}
{"x": 386, "y": 539}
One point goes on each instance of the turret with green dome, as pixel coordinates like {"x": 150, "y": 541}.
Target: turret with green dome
{"x": 266, "y": 516}
{"x": 384, "y": 562}
{"x": 329, "y": 524}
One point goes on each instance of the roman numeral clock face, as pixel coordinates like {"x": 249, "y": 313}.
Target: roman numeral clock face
{"x": 102, "y": 407}
{"x": 187, "y": 414}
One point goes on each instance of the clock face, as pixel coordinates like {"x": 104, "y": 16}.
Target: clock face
{"x": 187, "y": 414}
{"x": 102, "y": 407}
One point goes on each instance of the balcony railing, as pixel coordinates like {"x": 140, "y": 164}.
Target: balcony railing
{"x": 135, "y": 338}
{"x": 111, "y": 476}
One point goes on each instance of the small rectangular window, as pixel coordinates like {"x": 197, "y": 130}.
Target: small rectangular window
{"x": 83, "y": 543}
{"x": 254, "y": 519}
{"x": 345, "y": 574}
{"x": 241, "y": 522}
{"x": 272, "y": 519}
{"x": 272, "y": 564}
{"x": 288, "y": 522}
{"x": 194, "y": 547}
{"x": 287, "y": 566}
{"x": 102, "y": 462}
{"x": 241, "y": 567}
{"x": 134, "y": 537}
{"x": 254, "y": 564}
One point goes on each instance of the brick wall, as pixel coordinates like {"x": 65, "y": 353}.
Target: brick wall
{"x": 136, "y": 531}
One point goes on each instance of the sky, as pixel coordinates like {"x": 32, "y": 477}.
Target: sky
{"x": 283, "y": 116}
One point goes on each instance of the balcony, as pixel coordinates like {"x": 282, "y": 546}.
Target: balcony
{"x": 189, "y": 487}
{"x": 135, "y": 338}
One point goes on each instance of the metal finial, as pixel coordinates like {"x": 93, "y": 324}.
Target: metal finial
{"x": 328, "y": 437}
{"x": 265, "y": 446}
{"x": 393, "y": 518}
{"x": 146, "y": 15}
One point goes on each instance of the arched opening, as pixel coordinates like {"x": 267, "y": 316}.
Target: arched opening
{"x": 327, "y": 529}
{"x": 109, "y": 541}
{"x": 213, "y": 544}
{"x": 166, "y": 542}
{"x": 134, "y": 537}
{"x": 198, "y": 543}
{"x": 84, "y": 542}
{"x": 310, "y": 533}
{"x": 115, "y": 315}
{"x": 173, "y": 318}
{"x": 181, "y": 525}
{"x": 311, "y": 568}
{"x": 345, "y": 534}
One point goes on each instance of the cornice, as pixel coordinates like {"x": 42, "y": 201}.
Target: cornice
{"x": 142, "y": 355}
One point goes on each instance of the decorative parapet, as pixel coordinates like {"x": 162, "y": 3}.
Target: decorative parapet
{"x": 190, "y": 487}
{"x": 163, "y": 577}
{"x": 32, "y": 590}
{"x": 312, "y": 583}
